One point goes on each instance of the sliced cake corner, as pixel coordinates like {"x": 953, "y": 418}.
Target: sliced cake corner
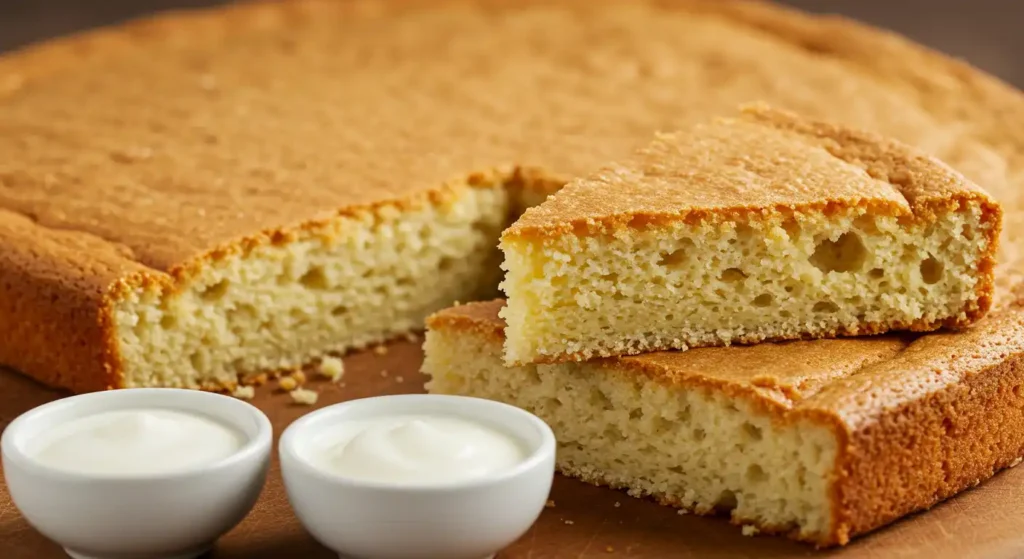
{"x": 766, "y": 226}
{"x": 820, "y": 440}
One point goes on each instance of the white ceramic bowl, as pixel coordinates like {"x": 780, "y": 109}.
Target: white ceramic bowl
{"x": 161, "y": 516}
{"x": 469, "y": 520}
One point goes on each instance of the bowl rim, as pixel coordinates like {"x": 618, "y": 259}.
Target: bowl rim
{"x": 290, "y": 458}
{"x": 256, "y": 446}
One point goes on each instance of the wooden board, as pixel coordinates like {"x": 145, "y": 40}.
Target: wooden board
{"x": 586, "y": 521}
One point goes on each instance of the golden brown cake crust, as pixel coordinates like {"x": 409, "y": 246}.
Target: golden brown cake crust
{"x": 765, "y": 161}
{"x": 919, "y": 419}
{"x": 170, "y": 140}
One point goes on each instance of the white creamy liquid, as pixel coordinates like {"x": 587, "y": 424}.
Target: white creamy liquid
{"x": 136, "y": 441}
{"x": 414, "y": 450}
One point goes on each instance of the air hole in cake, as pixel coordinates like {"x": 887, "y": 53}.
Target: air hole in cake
{"x": 866, "y": 224}
{"x": 732, "y": 275}
{"x": 756, "y": 473}
{"x": 923, "y": 291}
{"x": 744, "y": 232}
{"x": 168, "y": 321}
{"x": 752, "y": 431}
{"x": 947, "y": 426}
{"x": 845, "y": 254}
{"x": 825, "y": 307}
{"x": 339, "y": 310}
{"x": 660, "y": 424}
{"x": 876, "y": 273}
{"x": 447, "y": 263}
{"x": 216, "y": 291}
{"x": 685, "y": 414}
{"x": 636, "y": 413}
{"x": 612, "y": 434}
{"x": 314, "y": 278}
{"x": 792, "y": 229}
{"x": 599, "y": 399}
{"x": 676, "y": 257}
{"x": 726, "y": 501}
{"x": 198, "y": 360}
{"x": 670, "y": 317}
{"x": 699, "y": 434}
{"x": 612, "y": 277}
{"x": 967, "y": 233}
{"x": 931, "y": 270}
{"x": 763, "y": 300}
{"x": 677, "y": 470}
{"x": 241, "y": 312}
{"x": 785, "y": 314}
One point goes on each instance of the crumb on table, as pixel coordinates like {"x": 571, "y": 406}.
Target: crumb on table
{"x": 617, "y": 504}
{"x": 381, "y": 350}
{"x": 332, "y": 368}
{"x": 412, "y": 337}
{"x": 291, "y": 381}
{"x": 750, "y": 530}
{"x": 399, "y": 379}
{"x": 304, "y": 396}
{"x": 287, "y": 384}
{"x": 244, "y": 392}
{"x": 550, "y": 504}
{"x": 384, "y": 373}
{"x": 569, "y": 522}
{"x": 682, "y": 512}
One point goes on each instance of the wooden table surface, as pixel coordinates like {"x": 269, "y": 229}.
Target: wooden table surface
{"x": 987, "y": 522}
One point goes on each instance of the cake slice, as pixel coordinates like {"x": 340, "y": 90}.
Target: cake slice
{"x": 767, "y": 226}
{"x": 821, "y": 440}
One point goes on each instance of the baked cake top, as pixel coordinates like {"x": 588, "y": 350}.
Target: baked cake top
{"x": 765, "y": 160}
{"x": 166, "y": 139}
{"x": 851, "y": 379}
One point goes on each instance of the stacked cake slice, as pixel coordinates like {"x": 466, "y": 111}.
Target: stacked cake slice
{"x": 761, "y": 227}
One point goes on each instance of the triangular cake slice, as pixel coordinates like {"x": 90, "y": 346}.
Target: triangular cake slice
{"x": 766, "y": 226}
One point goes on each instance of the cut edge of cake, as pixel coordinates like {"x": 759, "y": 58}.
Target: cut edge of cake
{"x": 588, "y": 277}
{"x": 892, "y": 426}
{"x": 253, "y": 306}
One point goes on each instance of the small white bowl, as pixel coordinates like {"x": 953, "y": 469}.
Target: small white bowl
{"x": 469, "y": 520}
{"x": 158, "y": 516}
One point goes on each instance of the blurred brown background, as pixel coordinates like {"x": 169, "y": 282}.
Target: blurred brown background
{"x": 988, "y": 33}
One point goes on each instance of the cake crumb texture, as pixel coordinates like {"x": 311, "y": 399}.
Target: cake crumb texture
{"x": 191, "y": 198}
